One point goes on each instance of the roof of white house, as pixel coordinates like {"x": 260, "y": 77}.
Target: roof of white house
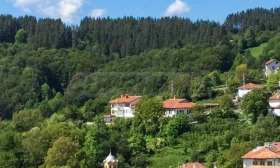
{"x": 125, "y": 99}
{"x": 269, "y": 151}
{"x": 270, "y": 61}
{"x": 178, "y": 104}
{"x": 250, "y": 86}
{"x": 275, "y": 97}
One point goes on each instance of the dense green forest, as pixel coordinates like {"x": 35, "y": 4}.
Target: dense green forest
{"x": 56, "y": 77}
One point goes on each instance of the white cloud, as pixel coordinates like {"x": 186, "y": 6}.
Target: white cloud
{"x": 95, "y": 13}
{"x": 25, "y": 4}
{"x": 64, "y": 9}
{"x": 176, "y": 8}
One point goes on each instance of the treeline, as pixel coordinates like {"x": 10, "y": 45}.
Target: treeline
{"x": 259, "y": 18}
{"x": 126, "y": 36}
{"x": 129, "y": 36}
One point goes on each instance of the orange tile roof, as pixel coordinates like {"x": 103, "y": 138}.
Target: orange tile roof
{"x": 192, "y": 165}
{"x": 264, "y": 152}
{"x": 125, "y": 99}
{"x": 275, "y": 97}
{"x": 250, "y": 86}
{"x": 178, "y": 104}
{"x": 270, "y": 61}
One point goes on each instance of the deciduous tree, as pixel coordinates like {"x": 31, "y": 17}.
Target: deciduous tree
{"x": 255, "y": 102}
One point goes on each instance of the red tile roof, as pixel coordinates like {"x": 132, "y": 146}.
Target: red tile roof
{"x": 275, "y": 97}
{"x": 192, "y": 165}
{"x": 262, "y": 152}
{"x": 178, "y": 104}
{"x": 250, "y": 86}
{"x": 270, "y": 61}
{"x": 125, "y": 99}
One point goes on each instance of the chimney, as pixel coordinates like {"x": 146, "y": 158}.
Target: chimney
{"x": 121, "y": 95}
{"x": 266, "y": 144}
{"x": 194, "y": 165}
{"x": 269, "y": 145}
{"x": 126, "y": 95}
{"x": 174, "y": 97}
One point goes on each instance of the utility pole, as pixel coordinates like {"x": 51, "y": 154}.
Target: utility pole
{"x": 243, "y": 81}
{"x": 172, "y": 88}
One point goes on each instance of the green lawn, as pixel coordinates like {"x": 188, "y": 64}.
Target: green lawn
{"x": 257, "y": 51}
{"x": 168, "y": 157}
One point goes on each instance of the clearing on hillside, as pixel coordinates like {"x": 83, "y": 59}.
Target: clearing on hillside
{"x": 257, "y": 51}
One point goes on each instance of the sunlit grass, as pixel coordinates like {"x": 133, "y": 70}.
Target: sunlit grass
{"x": 168, "y": 157}
{"x": 257, "y": 51}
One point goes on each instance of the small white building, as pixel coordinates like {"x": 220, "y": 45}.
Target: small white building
{"x": 176, "y": 106}
{"x": 124, "y": 106}
{"x": 274, "y": 103}
{"x": 242, "y": 90}
{"x": 271, "y": 66}
{"x": 109, "y": 118}
{"x": 263, "y": 156}
{"x": 110, "y": 161}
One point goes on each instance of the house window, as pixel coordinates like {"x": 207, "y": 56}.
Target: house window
{"x": 262, "y": 162}
{"x": 255, "y": 162}
{"x": 269, "y": 163}
{"x": 273, "y": 68}
{"x": 180, "y": 111}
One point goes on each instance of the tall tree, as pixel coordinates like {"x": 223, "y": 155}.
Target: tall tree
{"x": 255, "y": 102}
{"x": 95, "y": 146}
{"x": 62, "y": 153}
{"x": 148, "y": 112}
{"x": 21, "y": 36}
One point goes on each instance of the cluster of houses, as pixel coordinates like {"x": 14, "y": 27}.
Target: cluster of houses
{"x": 125, "y": 107}
{"x": 267, "y": 156}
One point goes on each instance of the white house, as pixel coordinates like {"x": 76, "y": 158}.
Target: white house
{"x": 274, "y": 103}
{"x": 271, "y": 66}
{"x": 242, "y": 90}
{"x": 263, "y": 156}
{"x": 176, "y": 106}
{"x": 124, "y": 106}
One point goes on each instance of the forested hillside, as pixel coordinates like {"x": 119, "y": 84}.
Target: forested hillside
{"x": 55, "y": 77}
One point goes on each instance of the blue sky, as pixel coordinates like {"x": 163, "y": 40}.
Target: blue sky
{"x": 72, "y": 11}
